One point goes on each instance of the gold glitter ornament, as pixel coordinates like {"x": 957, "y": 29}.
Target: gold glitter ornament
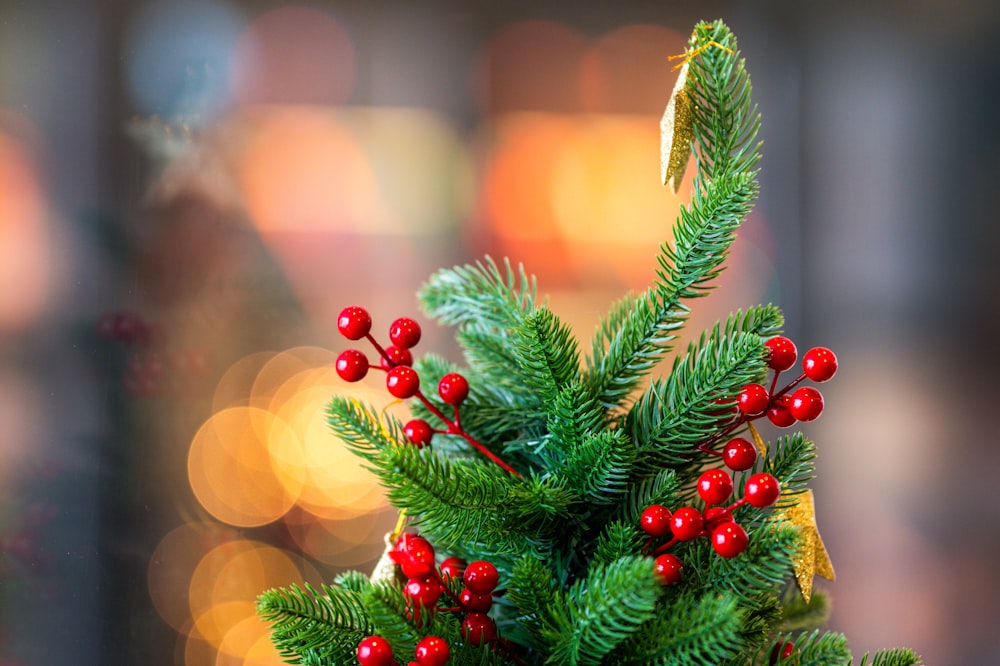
{"x": 758, "y": 441}
{"x": 812, "y": 558}
{"x": 676, "y": 133}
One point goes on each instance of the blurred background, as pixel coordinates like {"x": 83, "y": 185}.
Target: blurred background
{"x": 190, "y": 191}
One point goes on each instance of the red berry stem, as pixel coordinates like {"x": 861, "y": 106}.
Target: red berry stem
{"x": 795, "y": 382}
{"x": 665, "y": 547}
{"x": 455, "y": 428}
{"x": 774, "y": 384}
{"x": 381, "y": 351}
{"x": 444, "y": 586}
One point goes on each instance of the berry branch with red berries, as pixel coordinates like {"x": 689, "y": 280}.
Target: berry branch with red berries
{"x": 610, "y": 532}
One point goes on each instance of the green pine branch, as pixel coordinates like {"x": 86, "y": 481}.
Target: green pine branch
{"x": 479, "y": 296}
{"x": 326, "y": 626}
{"x": 677, "y": 413}
{"x": 891, "y": 657}
{"x": 599, "y": 613}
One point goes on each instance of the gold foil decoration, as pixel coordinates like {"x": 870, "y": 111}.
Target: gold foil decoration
{"x": 386, "y": 568}
{"x": 676, "y": 133}
{"x": 812, "y": 558}
{"x": 758, "y": 441}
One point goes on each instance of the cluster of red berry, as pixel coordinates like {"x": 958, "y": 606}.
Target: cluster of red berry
{"x": 150, "y": 369}
{"x": 402, "y": 381}
{"x": 425, "y": 584}
{"x": 728, "y": 538}
{"x": 783, "y": 407}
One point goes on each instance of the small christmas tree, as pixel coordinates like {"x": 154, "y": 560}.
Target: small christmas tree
{"x": 553, "y": 517}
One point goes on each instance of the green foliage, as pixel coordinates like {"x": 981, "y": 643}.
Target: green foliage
{"x": 307, "y": 622}
{"x": 601, "y": 611}
{"x": 577, "y": 578}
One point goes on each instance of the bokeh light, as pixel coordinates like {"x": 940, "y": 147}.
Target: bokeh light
{"x": 26, "y": 262}
{"x": 180, "y": 56}
{"x": 294, "y": 55}
{"x": 303, "y": 171}
{"x": 232, "y": 471}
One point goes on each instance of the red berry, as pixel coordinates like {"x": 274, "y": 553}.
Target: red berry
{"x": 402, "y": 381}
{"x": 419, "y": 432}
{"x": 396, "y": 356}
{"x": 481, "y": 577}
{"x": 807, "y": 404}
{"x": 655, "y": 520}
{"x": 781, "y": 651}
{"x": 422, "y": 594}
{"x": 686, "y": 523}
{"x": 374, "y": 651}
{"x": 404, "y": 333}
{"x": 432, "y": 651}
{"x": 716, "y": 516}
{"x": 729, "y": 539}
{"x": 478, "y": 628}
{"x": 453, "y": 566}
{"x": 354, "y": 322}
{"x": 739, "y": 454}
{"x": 129, "y": 328}
{"x": 414, "y": 555}
{"x": 779, "y": 413}
{"x": 753, "y": 400}
{"x": 819, "y": 364}
{"x": 352, "y": 365}
{"x": 474, "y": 603}
{"x": 761, "y": 490}
{"x": 782, "y": 353}
{"x": 668, "y": 569}
{"x": 715, "y": 486}
{"x": 453, "y": 388}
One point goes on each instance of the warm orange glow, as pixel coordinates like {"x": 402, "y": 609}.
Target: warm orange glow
{"x": 578, "y": 198}
{"x": 302, "y": 170}
{"x": 25, "y": 243}
{"x": 344, "y": 542}
{"x": 230, "y": 467}
{"x": 224, "y": 587}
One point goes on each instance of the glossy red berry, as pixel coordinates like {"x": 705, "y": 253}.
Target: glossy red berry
{"x": 422, "y": 594}
{"x": 686, "y": 523}
{"x": 419, "y": 432}
{"x": 432, "y": 651}
{"x": 481, "y": 577}
{"x": 716, "y": 516}
{"x": 374, "y": 651}
{"x": 395, "y": 356}
{"x": 739, "y": 454}
{"x": 668, "y": 569}
{"x": 715, "y": 486}
{"x": 414, "y": 555}
{"x": 453, "y": 567}
{"x": 474, "y": 603}
{"x": 781, "y": 651}
{"x": 753, "y": 400}
{"x": 655, "y": 520}
{"x": 819, "y": 364}
{"x": 478, "y": 628}
{"x": 729, "y": 539}
{"x": 354, "y": 322}
{"x": 779, "y": 413}
{"x": 761, "y": 490}
{"x": 404, "y": 333}
{"x": 402, "y": 381}
{"x": 781, "y": 353}
{"x": 453, "y": 388}
{"x": 806, "y": 404}
{"x": 352, "y": 365}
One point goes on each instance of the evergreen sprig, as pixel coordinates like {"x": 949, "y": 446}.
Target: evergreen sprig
{"x": 590, "y": 450}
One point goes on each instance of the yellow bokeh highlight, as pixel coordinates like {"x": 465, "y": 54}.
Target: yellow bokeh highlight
{"x": 231, "y": 466}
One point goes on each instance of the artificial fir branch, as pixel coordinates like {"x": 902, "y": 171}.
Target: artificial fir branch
{"x": 583, "y": 576}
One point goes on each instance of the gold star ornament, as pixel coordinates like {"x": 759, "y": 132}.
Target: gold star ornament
{"x": 811, "y": 559}
{"x": 676, "y": 133}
